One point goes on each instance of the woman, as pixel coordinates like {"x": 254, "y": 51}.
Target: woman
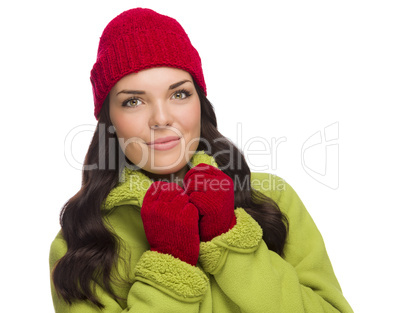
{"x": 170, "y": 219}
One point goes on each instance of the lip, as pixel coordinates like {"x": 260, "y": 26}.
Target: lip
{"x": 164, "y": 143}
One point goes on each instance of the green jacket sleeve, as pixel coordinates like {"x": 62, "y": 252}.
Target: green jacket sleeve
{"x": 259, "y": 280}
{"x": 162, "y": 283}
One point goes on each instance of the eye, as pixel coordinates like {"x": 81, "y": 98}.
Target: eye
{"x": 132, "y": 102}
{"x": 181, "y": 94}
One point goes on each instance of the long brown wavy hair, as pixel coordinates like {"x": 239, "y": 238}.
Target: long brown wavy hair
{"x": 93, "y": 249}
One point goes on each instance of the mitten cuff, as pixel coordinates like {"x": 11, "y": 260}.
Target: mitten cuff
{"x": 244, "y": 237}
{"x": 176, "y": 278}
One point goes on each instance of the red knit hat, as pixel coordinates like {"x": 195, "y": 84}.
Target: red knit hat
{"x": 138, "y": 39}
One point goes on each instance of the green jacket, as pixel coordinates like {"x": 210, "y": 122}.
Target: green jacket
{"x": 236, "y": 272}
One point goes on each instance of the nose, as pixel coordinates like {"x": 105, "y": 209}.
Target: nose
{"x": 160, "y": 114}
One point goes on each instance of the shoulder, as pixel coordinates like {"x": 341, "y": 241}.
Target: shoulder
{"x": 278, "y": 190}
{"x": 269, "y": 184}
{"x": 58, "y": 249}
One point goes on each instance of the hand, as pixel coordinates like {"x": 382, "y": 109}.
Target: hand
{"x": 171, "y": 221}
{"x": 212, "y": 192}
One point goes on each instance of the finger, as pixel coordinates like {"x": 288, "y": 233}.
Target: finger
{"x": 154, "y": 191}
{"x": 190, "y": 212}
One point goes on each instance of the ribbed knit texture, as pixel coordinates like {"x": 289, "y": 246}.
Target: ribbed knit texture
{"x": 138, "y": 39}
{"x": 171, "y": 222}
{"x": 212, "y": 192}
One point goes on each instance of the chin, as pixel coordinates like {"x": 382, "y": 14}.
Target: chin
{"x": 161, "y": 170}
{"x": 164, "y": 165}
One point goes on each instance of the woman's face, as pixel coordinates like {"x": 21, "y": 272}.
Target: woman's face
{"x": 157, "y": 104}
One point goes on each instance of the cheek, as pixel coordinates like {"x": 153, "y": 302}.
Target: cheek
{"x": 127, "y": 128}
{"x": 191, "y": 120}
{"x": 129, "y": 131}
{"x": 191, "y": 125}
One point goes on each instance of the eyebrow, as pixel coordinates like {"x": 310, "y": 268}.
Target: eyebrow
{"x": 141, "y": 92}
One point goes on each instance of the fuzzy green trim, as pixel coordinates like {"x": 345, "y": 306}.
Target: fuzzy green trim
{"x": 244, "y": 237}
{"x": 134, "y": 184}
{"x": 202, "y": 157}
{"x": 172, "y": 276}
{"x": 212, "y": 257}
{"x": 132, "y": 187}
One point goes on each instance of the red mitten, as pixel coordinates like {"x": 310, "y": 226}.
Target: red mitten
{"x": 171, "y": 221}
{"x": 212, "y": 192}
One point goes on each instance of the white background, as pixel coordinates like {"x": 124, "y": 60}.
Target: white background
{"x": 283, "y": 69}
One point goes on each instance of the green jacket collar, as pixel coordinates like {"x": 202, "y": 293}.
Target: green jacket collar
{"x": 134, "y": 184}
